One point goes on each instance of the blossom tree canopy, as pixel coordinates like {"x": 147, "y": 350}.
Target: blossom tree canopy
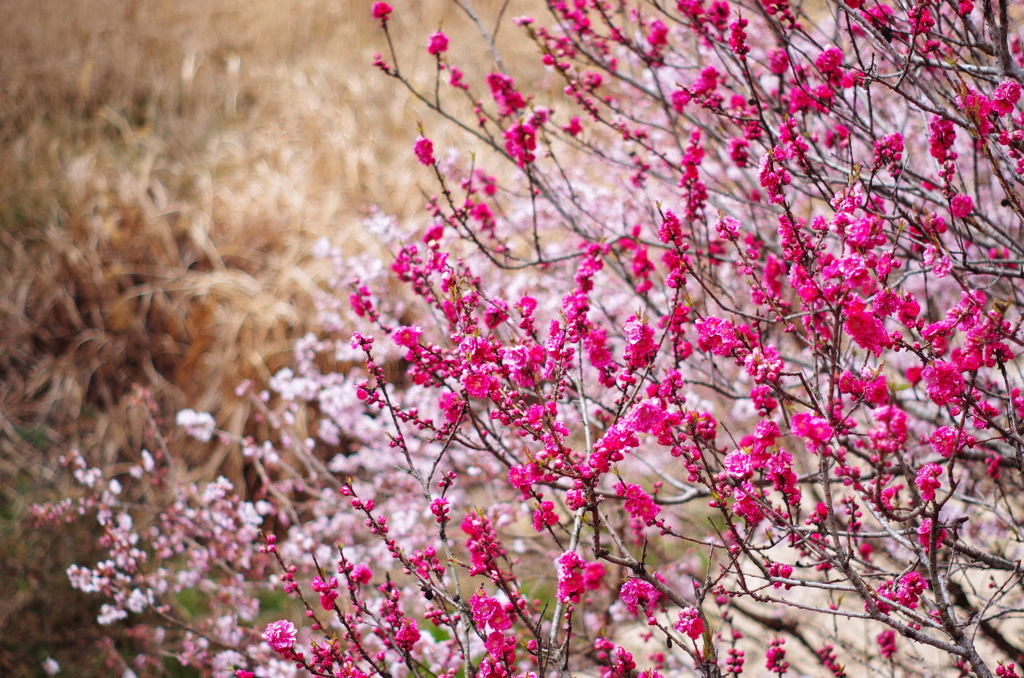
{"x": 723, "y": 348}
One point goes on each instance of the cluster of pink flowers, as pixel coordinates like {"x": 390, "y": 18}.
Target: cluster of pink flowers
{"x": 690, "y": 624}
{"x": 722, "y": 396}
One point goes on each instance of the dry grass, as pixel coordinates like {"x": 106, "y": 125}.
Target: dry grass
{"x": 165, "y": 166}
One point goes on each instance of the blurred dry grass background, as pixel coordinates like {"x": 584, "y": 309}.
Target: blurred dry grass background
{"x": 165, "y": 166}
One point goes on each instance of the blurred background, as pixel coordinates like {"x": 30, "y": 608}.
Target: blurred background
{"x": 165, "y": 167}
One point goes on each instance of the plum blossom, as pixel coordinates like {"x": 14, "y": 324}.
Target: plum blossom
{"x": 815, "y": 430}
{"x": 636, "y": 592}
{"x": 638, "y": 503}
{"x": 199, "y": 425}
{"x": 961, "y": 206}
{"x": 739, "y": 464}
{"x": 645, "y": 417}
{"x": 280, "y": 636}
{"x": 690, "y": 623}
{"x": 928, "y": 480}
{"x": 571, "y": 577}
{"x": 489, "y": 612}
{"x": 943, "y": 382}
{"x": 424, "y": 150}
{"x": 438, "y": 43}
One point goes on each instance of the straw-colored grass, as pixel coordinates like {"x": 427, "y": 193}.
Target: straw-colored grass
{"x": 165, "y": 166}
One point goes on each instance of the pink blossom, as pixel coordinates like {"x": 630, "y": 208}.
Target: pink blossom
{"x": 866, "y": 329}
{"x": 782, "y": 571}
{"x": 645, "y": 417}
{"x": 717, "y": 335}
{"x": 657, "y": 33}
{"x": 478, "y": 385}
{"x": 961, "y": 205}
{"x": 408, "y": 634}
{"x": 778, "y": 61}
{"x": 924, "y": 532}
{"x": 571, "y": 582}
{"x": 424, "y": 151}
{"x": 887, "y": 643}
{"x": 638, "y": 503}
{"x": 381, "y": 10}
{"x": 815, "y": 430}
{"x": 544, "y": 516}
{"x": 942, "y": 134}
{"x": 1005, "y": 97}
{"x": 488, "y": 612}
{"x": 636, "y": 592}
{"x": 829, "y": 60}
{"x": 928, "y": 480}
{"x": 640, "y": 343}
{"x": 280, "y": 636}
{"x": 690, "y": 623}
{"x": 508, "y": 99}
{"x": 747, "y": 503}
{"x": 944, "y": 382}
{"x": 438, "y": 43}
{"x": 439, "y": 507}
{"x": 775, "y": 657}
{"x": 521, "y": 142}
{"x": 727, "y": 228}
{"x": 593, "y": 575}
{"x": 407, "y": 337}
{"x": 361, "y": 574}
{"x": 738, "y": 464}
{"x": 947, "y": 441}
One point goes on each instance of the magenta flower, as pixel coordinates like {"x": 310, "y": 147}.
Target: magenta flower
{"x": 690, "y": 623}
{"x": 815, "y": 430}
{"x": 658, "y": 34}
{"x": 829, "y": 60}
{"x": 438, "y": 43}
{"x": 961, "y": 205}
{"x": 866, "y": 330}
{"x": 407, "y": 635}
{"x": 638, "y": 503}
{"x": 361, "y": 574}
{"x": 928, "y": 480}
{"x": 778, "y": 61}
{"x": 280, "y": 636}
{"x": 424, "y": 151}
{"x": 645, "y": 417}
{"x": 637, "y": 591}
{"x": 570, "y": 577}
{"x": 407, "y": 337}
{"x": 717, "y": 335}
{"x": 944, "y": 382}
{"x": 738, "y": 464}
{"x": 887, "y": 643}
{"x": 1005, "y": 97}
{"x": 946, "y": 441}
{"x": 728, "y": 228}
{"x": 574, "y": 127}
{"x": 503, "y": 89}
{"x": 593, "y": 575}
{"x": 381, "y": 10}
{"x": 488, "y": 611}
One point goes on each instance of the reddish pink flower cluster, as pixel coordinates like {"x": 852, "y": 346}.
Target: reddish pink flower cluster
{"x": 747, "y": 396}
{"x": 424, "y": 150}
{"x": 438, "y": 44}
{"x": 690, "y": 624}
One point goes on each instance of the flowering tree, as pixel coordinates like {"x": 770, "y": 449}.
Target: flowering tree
{"x": 728, "y": 362}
